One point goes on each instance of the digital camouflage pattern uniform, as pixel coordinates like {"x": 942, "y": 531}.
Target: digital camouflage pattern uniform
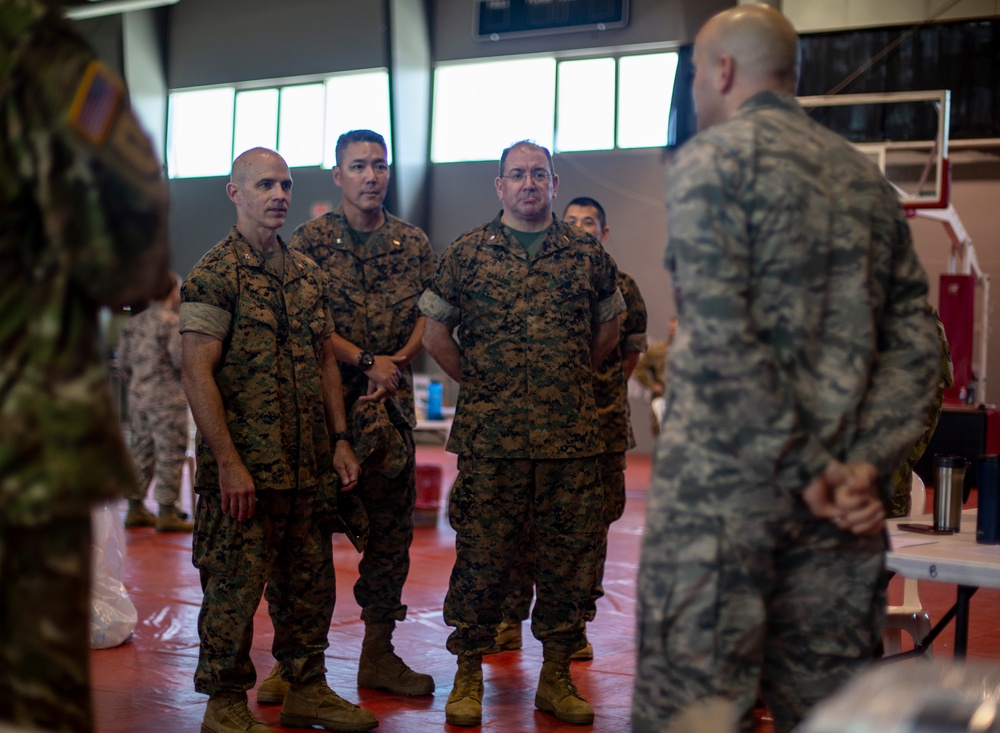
{"x": 82, "y": 224}
{"x": 373, "y": 291}
{"x": 273, "y": 325}
{"x": 149, "y": 357}
{"x": 804, "y": 336}
{"x": 611, "y": 398}
{"x": 651, "y": 371}
{"x": 902, "y": 478}
{"x": 525, "y": 427}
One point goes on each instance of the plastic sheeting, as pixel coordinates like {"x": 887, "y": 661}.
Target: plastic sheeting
{"x": 112, "y": 616}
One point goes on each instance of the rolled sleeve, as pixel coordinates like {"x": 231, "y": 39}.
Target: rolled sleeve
{"x": 434, "y": 306}
{"x": 635, "y": 343}
{"x": 610, "y": 307}
{"x": 204, "y": 318}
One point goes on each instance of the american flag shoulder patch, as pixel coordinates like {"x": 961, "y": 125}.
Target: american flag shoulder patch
{"x": 97, "y": 101}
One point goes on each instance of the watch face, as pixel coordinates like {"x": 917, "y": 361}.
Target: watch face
{"x": 365, "y": 360}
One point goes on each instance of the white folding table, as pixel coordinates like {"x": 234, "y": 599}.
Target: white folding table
{"x": 955, "y": 558}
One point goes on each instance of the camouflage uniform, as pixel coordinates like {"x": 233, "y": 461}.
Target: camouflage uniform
{"x": 611, "y": 397}
{"x": 525, "y": 427}
{"x": 804, "y": 336}
{"x": 902, "y": 478}
{"x": 82, "y": 224}
{"x": 374, "y": 287}
{"x": 149, "y": 355}
{"x": 651, "y": 371}
{"x": 273, "y": 328}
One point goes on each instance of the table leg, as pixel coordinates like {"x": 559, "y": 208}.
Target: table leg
{"x": 965, "y": 592}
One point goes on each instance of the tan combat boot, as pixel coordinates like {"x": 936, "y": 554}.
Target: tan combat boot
{"x": 138, "y": 515}
{"x": 314, "y": 703}
{"x": 170, "y": 520}
{"x": 585, "y": 654}
{"x": 557, "y": 694}
{"x": 465, "y": 703}
{"x": 229, "y": 714}
{"x": 508, "y": 637}
{"x": 380, "y": 668}
{"x": 273, "y": 689}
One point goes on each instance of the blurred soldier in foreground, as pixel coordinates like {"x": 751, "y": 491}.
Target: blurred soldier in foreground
{"x": 82, "y": 225}
{"x": 804, "y": 362}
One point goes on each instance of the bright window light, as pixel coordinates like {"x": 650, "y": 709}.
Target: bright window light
{"x": 356, "y": 102}
{"x": 300, "y": 125}
{"x": 645, "y": 86}
{"x": 474, "y": 121}
{"x": 586, "y": 105}
{"x": 256, "y": 120}
{"x": 200, "y": 133}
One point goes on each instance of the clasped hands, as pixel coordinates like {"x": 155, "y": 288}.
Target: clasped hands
{"x": 847, "y": 494}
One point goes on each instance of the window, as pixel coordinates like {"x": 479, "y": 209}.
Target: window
{"x": 586, "y": 106}
{"x": 208, "y": 128}
{"x": 599, "y": 104}
{"x": 645, "y": 93}
{"x": 474, "y": 121}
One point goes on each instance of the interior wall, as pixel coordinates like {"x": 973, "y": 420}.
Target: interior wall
{"x": 226, "y": 41}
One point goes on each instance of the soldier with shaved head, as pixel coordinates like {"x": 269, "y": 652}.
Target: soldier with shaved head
{"x": 263, "y": 385}
{"x": 804, "y": 361}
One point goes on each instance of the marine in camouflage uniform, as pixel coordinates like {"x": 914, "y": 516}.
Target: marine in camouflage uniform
{"x": 805, "y": 339}
{"x": 611, "y": 397}
{"x": 149, "y": 358}
{"x": 525, "y": 429}
{"x": 82, "y": 224}
{"x": 375, "y": 277}
{"x": 261, "y": 380}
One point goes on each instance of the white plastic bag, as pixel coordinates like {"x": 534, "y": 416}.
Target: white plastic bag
{"x": 112, "y": 614}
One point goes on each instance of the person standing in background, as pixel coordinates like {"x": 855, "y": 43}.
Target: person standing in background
{"x": 377, "y": 266}
{"x": 804, "y": 363}
{"x": 83, "y": 212}
{"x": 149, "y": 357}
{"x": 537, "y": 308}
{"x": 611, "y": 398}
{"x": 264, "y": 388}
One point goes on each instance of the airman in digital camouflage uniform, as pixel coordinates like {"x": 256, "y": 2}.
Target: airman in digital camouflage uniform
{"x": 261, "y": 378}
{"x": 82, "y": 225}
{"x": 149, "y": 359}
{"x": 377, "y": 266}
{"x": 611, "y": 397}
{"x": 804, "y": 361}
{"x": 536, "y": 306}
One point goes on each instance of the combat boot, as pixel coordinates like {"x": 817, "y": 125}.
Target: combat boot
{"x": 585, "y": 654}
{"x": 508, "y": 638}
{"x": 557, "y": 694}
{"x": 138, "y": 515}
{"x": 229, "y": 713}
{"x": 170, "y": 520}
{"x": 314, "y": 703}
{"x": 273, "y": 689}
{"x": 380, "y": 668}
{"x": 465, "y": 703}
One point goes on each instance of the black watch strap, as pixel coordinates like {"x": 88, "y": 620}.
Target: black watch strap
{"x": 366, "y": 360}
{"x": 337, "y": 437}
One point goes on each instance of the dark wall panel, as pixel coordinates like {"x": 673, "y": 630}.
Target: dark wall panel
{"x": 224, "y": 41}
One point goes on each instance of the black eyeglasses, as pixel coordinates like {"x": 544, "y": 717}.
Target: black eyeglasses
{"x": 539, "y": 175}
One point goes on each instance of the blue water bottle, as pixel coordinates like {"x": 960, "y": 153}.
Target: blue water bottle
{"x": 434, "y": 390}
{"x": 988, "y": 506}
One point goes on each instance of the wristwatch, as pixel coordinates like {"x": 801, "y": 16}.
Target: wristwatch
{"x": 337, "y": 437}
{"x": 366, "y": 360}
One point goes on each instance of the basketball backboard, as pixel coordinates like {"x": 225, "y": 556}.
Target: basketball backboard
{"x": 904, "y": 133}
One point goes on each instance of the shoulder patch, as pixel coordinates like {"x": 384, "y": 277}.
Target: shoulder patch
{"x": 97, "y": 101}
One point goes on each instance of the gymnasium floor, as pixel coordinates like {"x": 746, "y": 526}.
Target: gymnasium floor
{"x": 145, "y": 685}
